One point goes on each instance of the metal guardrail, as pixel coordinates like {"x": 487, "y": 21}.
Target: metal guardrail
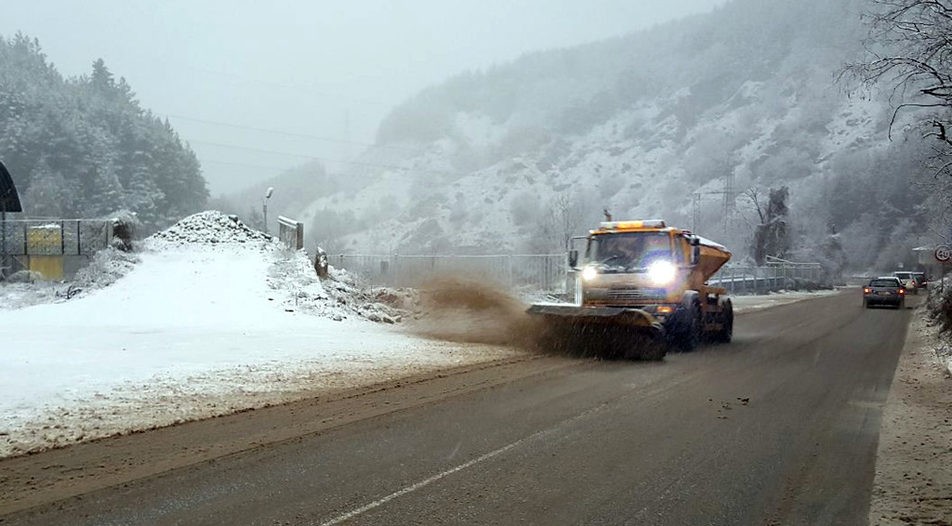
{"x": 776, "y": 275}
{"x": 549, "y": 273}
{"x": 291, "y": 232}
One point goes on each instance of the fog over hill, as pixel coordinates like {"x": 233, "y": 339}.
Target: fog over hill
{"x": 656, "y": 124}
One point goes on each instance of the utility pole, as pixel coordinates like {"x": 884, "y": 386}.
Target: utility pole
{"x": 695, "y": 210}
{"x": 729, "y": 203}
{"x": 264, "y": 206}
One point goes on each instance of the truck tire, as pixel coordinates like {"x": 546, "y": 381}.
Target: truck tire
{"x": 686, "y": 333}
{"x": 727, "y": 323}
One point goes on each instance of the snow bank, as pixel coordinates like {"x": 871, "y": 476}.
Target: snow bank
{"x": 763, "y": 301}
{"x": 104, "y": 269}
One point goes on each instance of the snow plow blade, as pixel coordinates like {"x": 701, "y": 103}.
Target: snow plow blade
{"x": 607, "y": 332}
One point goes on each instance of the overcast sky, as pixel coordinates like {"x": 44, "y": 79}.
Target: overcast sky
{"x": 324, "y": 69}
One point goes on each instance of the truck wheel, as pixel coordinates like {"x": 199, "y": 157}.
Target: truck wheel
{"x": 727, "y": 324}
{"x": 687, "y": 333}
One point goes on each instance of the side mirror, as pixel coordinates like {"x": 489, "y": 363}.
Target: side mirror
{"x": 695, "y": 250}
{"x": 573, "y": 258}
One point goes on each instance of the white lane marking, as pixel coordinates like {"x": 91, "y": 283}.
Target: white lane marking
{"x": 409, "y": 489}
{"x": 420, "y": 484}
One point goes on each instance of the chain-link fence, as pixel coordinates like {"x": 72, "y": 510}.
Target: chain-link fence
{"x": 73, "y": 237}
{"x": 70, "y": 241}
{"x": 539, "y": 272}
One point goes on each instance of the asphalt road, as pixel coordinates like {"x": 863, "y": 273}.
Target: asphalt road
{"x": 779, "y": 427}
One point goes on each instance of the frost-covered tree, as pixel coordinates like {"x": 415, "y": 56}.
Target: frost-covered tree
{"x": 49, "y": 192}
{"x": 910, "y": 46}
{"x": 772, "y": 235}
{"x": 84, "y": 147}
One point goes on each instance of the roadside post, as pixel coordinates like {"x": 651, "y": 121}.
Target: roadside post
{"x": 943, "y": 254}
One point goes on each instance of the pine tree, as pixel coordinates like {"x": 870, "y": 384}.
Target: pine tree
{"x": 85, "y": 147}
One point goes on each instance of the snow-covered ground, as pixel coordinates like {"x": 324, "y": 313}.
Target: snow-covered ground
{"x": 193, "y": 330}
{"x": 188, "y": 328}
{"x": 763, "y": 301}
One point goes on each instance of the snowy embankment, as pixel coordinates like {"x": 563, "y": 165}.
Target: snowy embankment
{"x": 195, "y": 329}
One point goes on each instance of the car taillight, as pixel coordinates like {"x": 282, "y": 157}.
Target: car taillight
{"x": 902, "y": 291}
{"x": 867, "y": 290}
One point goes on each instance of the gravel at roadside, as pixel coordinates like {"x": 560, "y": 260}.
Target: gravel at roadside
{"x": 913, "y": 483}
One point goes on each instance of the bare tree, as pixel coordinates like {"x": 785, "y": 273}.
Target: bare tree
{"x": 754, "y": 195}
{"x": 910, "y": 48}
{"x": 772, "y": 235}
{"x": 555, "y": 228}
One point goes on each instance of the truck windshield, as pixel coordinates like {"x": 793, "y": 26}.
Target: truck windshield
{"x": 631, "y": 250}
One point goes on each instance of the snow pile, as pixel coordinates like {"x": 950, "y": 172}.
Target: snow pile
{"x": 19, "y": 295}
{"x": 210, "y": 227}
{"x": 943, "y": 354}
{"x": 104, "y": 269}
{"x": 338, "y": 296}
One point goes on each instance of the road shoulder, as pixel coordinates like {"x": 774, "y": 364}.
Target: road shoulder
{"x": 913, "y": 482}
{"x": 33, "y": 480}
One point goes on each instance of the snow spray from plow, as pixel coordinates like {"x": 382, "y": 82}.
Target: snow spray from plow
{"x": 477, "y": 312}
{"x": 474, "y": 312}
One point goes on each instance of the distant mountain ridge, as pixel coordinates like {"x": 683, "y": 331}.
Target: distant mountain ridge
{"x": 656, "y": 124}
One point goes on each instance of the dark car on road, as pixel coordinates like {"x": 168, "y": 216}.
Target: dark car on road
{"x": 887, "y": 290}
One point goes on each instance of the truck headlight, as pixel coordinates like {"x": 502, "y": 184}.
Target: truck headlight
{"x": 589, "y": 273}
{"x": 662, "y": 273}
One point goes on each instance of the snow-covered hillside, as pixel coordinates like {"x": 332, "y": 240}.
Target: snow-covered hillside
{"x": 657, "y": 124}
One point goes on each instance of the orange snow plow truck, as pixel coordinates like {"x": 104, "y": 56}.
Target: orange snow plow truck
{"x": 641, "y": 289}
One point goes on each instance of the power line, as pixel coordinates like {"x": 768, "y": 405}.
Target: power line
{"x": 305, "y": 156}
{"x": 291, "y": 134}
{"x": 259, "y": 150}
{"x": 243, "y": 165}
{"x": 309, "y": 88}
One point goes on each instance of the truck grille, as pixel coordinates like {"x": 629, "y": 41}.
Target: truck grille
{"x": 635, "y": 294}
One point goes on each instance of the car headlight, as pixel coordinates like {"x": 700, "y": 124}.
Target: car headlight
{"x": 589, "y": 273}
{"x": 662, "y": 273}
